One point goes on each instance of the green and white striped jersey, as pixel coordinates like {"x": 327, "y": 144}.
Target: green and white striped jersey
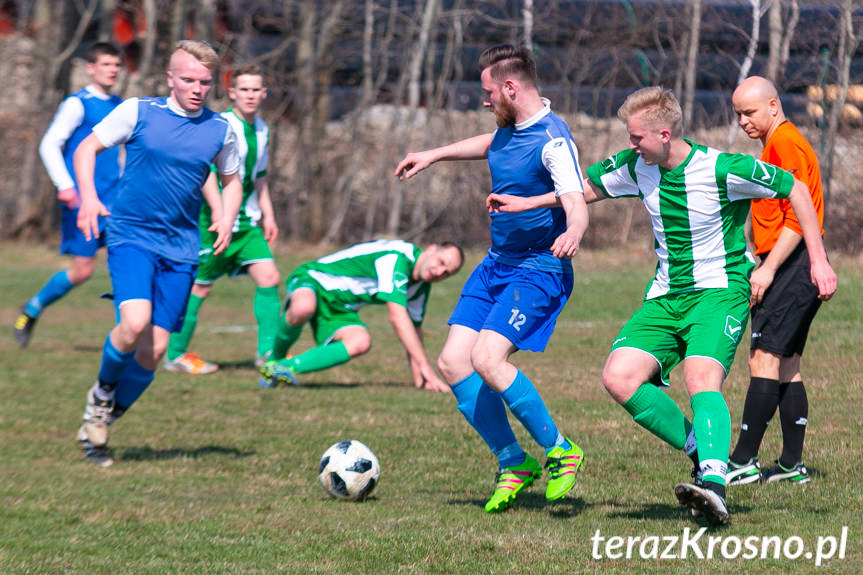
{"x": 372, "y": 273}
{"x": 698, "y": 210}
{"x": 252, "y": 144}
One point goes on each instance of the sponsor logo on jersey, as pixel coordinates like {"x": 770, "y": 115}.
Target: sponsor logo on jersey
{"x": 400, "y": 280}
{"x": 764, "y": 173}
{"x": 733, "y": 328}
{"x": 609, "y": 164}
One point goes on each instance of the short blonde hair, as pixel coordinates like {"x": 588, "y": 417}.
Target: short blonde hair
{"x": 656, "y": 105}
{"x": 201, "y": 51}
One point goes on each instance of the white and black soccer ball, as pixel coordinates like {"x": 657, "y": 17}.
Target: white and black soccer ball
{"x": 349, "y": 470}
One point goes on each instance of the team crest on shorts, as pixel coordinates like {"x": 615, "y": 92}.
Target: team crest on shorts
{"x": 733, "y": 328}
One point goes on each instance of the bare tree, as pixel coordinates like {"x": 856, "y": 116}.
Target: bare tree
{"x": 691, "y": 62}
{"x": 746, "y": 65}
{"x": 781, "y": 35}
{"x": 848, "y": 42}
{"x": 58, "y": 33}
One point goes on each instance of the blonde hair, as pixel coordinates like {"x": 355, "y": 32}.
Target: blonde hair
{"x": 656, "y": 105}
{"x": 201, "y": 51}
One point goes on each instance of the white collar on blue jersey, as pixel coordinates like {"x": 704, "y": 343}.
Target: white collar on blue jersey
{"x": 175, "y": 107}
{"x": 96, "y": 92}
{"x": 546, "y": 110}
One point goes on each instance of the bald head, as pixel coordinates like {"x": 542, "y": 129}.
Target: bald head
{"x": 759, "y": 111}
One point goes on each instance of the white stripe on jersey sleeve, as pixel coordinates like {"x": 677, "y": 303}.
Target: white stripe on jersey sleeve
{"x": 69, "y": 116}
{"x": 117, "y": 127}
{"x": 560, "y": 158}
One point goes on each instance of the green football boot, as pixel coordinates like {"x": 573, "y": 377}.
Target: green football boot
{"x": 510, "y": 482}
{"x": 563, "y": 465}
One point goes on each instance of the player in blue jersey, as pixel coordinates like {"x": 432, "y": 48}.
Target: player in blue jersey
{"x": 73, "y": 122}
{"x": 152, "y": 228}
{"x": 512, "y": 299}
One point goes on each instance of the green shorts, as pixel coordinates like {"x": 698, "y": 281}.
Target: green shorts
{"x": 331, "y": 315}
{"x": 246, "y": 248}
{"x": 704, "y": 323}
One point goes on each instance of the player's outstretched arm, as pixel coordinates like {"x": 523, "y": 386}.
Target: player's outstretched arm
{"x": 423, "y": 373}
{"x": 475, "y": 148}
{"x": 822, "y": 274}
{"x": 91, "y": 208}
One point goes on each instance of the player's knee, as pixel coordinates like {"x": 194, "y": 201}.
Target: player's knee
{"x": 360, "y": 345}
{"x": 269, "y": 278}
{"x": 450, "y": 364}
{"x": 619, "y": 384}
{"x": 81, "y": 271}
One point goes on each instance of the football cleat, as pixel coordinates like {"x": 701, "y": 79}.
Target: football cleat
{"x": 276, "y": 374}
{"x": 97, "y": 418}
{"x": 23, "y": 327}
{"x": 562, "y": 466}
{"x": 798, "y": 474}
{"x": 711, "y": 505}
{"x": 190, "y": 363}
{"x": 100, "y": 456}
{"x": 742, "y": 474}
{"x": 510, "y": 482}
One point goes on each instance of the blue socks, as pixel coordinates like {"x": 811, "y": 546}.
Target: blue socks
{"x": 484, "y": 411}
{"x": 133, "y": 382}
{"x": 58, "y": 286}
{"x": 114, "y": 362}
{"x": 525, "y": 403}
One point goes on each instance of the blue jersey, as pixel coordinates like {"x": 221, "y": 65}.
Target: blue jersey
{"x": 531, "y": 159}
{"x": 108, "y": 162}
{"x": 168, "y": 158}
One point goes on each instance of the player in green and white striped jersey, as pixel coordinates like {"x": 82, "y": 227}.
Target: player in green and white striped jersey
{"x": 328, "y": 293}
{"x": 254, "y": 230}
{"x": 697, "y": 305}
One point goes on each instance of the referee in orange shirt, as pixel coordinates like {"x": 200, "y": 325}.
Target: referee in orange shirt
{"x": 784, "y": 300}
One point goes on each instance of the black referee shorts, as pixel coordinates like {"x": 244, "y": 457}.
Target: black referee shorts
{"x": 780, "y": 322}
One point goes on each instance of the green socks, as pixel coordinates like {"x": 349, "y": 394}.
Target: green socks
{"x": 712, "y": 424}
{"x": 286, "y": 336}
{"x": 318, "y": 358}
{"x": 652, "y": 409}
{"x": 179, "y": 342}
{"x": 267, "y": 308}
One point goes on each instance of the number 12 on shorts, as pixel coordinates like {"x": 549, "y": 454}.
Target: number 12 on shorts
{"x": 517, "y": 319}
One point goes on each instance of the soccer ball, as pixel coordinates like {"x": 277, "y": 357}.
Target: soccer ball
{"x": 349, "y": 470}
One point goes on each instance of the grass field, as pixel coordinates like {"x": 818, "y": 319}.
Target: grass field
{"x": 215, "y": 475}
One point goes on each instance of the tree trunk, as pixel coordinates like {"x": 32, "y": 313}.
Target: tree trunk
{"x": 414, "y": 70}
{"x": 691, "y": 63}
{"x": 847, "y": 47}
{"x": 746, "y": 65}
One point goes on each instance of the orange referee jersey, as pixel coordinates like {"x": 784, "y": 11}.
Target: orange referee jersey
{"x": 788, "y": 149}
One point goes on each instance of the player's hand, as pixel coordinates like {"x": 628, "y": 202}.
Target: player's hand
{"x": 824, "y": 278}
{"x": 413, "y": 163}
{"x": 69, "y": 196}
{"x": 760, "y": 280}
{"x": 224, "y": 232}
{"x": 88, "y": 218}
{"x": 565, "y": 246}
{"x": 506, "y": 203}
{"x": 270, "y": 229}
{"x": 434, "y": 384}
{"x": 426, "y": 378}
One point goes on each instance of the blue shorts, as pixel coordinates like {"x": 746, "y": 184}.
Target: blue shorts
{"x": 137, "y": 273}
{"x": 72, "y": 241}
{"x": 520, "y": 304}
